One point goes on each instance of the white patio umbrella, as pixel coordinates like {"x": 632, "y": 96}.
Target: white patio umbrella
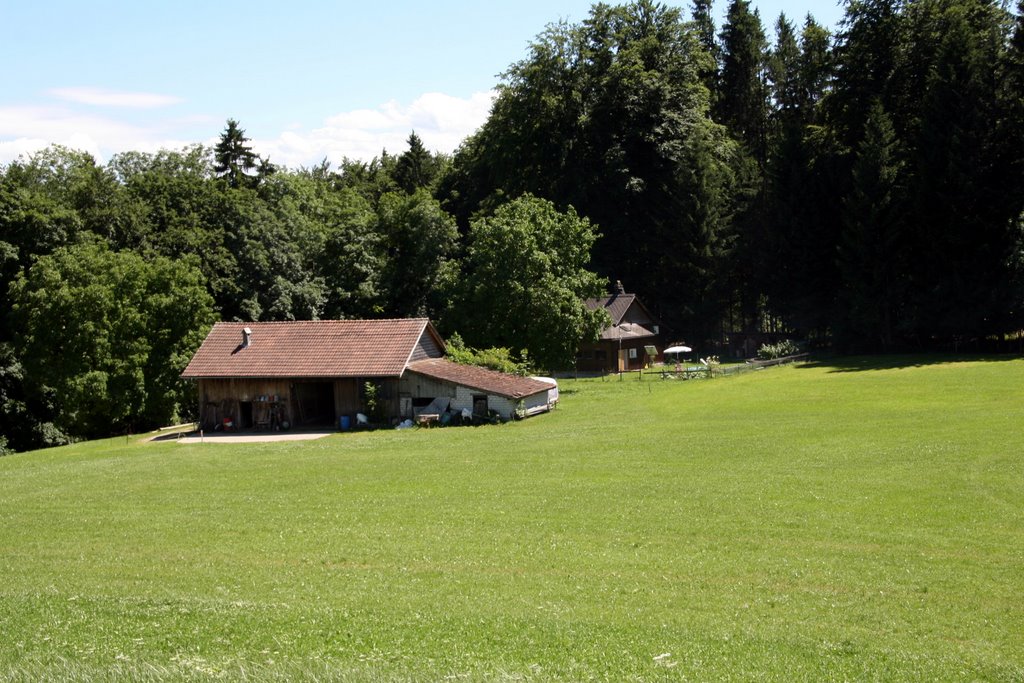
{"x": 678, "y": 349}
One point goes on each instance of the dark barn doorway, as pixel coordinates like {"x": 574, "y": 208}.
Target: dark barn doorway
{"x": 314, "y": 403}
{"x": 244, "y": 415}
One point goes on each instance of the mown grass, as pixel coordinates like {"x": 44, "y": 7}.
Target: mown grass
{"x": 855, "y": 521}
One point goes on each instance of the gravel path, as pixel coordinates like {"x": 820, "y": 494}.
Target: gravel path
{"x": 250, "y": 437}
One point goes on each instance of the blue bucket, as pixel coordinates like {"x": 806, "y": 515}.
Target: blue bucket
{"x": 345, "y": 422}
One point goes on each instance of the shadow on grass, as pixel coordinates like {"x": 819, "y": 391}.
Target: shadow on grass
{"x": 896, "y": 362}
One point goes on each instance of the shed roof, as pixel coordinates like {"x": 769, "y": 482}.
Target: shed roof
{"x": 310, "y": 348}
{"x": 490, "y": 381}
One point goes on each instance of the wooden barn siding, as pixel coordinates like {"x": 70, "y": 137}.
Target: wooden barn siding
{"x": 421, "y": 386}
{"x": 389, "y": 393}
{"x": 611, "y": 349}
{"x": 346, "y": 397}
{"x": 426, "y": 348}
{"x": 228, "y": 393}
{"x": 636, "y": 314}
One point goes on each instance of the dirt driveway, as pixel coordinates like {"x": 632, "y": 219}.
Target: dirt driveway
{"x": 245, "y": 437}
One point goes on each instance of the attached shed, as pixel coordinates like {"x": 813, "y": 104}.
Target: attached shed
{"x": 477, "y": 390}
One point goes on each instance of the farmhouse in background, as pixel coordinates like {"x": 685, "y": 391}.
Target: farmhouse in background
{"x": 276, "y": 374}
{"x": 623, "y": 344}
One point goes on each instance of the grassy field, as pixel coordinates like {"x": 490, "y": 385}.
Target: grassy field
{"x": 862, "y": 520}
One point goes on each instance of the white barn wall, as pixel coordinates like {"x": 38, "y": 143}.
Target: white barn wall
{"x": 420, "y": 386}
{"x": 464, "y": 400}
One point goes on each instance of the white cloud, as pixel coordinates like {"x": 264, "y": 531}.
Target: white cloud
{"x": 441, "y": 121}
{"x": 24, "y": 130}
{"x": 101, "y": 97}
{"x": 12, "y": 149}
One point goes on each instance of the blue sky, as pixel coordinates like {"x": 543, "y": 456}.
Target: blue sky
{"x": 306, "y": 80}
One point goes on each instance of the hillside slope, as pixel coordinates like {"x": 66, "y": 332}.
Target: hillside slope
{"x": 860, "y": 520}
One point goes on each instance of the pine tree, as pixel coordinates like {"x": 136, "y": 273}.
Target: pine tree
{"x": 784, "y": 73}
{"x": 815, "y": 68}
{"x": 867, "y": 68}
{"x": 415, "y": 168}
{"x": 234, "y": 160}
{"x": 743, "y": 97}
{"x": 704, "y": 23}
{"x": 795, "y": 264}
{"x": 873, "y": 249}
{"x": 962, "y": 221}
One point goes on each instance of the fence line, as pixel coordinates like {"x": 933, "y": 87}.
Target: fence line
{"x": 758, "y": 364}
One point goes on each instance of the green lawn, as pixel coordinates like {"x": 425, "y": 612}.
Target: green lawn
{"x": 856, "y": 521}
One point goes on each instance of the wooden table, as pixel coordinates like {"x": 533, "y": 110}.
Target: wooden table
{"x": 427, "y": 419}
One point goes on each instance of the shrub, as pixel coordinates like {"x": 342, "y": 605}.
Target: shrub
{"x": 374, "y": 409}
{"x": 786, "y": 347}
{"x": 495, "y": 358}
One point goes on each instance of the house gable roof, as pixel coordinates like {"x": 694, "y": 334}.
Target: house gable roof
{"x": 616, "y": 304}
{"x": 312, "y": 348}
{"x": 630, "y": 318}
{"x": 482, "y": 379}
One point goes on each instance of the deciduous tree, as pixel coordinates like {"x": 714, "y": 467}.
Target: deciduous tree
{"x": 527, "y": 279}
{"x": 103, "y": 335}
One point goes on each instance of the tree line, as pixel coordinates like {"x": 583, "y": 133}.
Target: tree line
{"x": 862, "y": 189}
{"x": 113, "y": 273}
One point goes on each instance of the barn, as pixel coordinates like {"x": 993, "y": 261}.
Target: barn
{"x": 275, "y": 375}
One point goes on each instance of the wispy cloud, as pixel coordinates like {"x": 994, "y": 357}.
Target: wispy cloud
{"x": 441, "y": 121}
{"x": 27, "y": 129}
{"x": 100, "y": 97}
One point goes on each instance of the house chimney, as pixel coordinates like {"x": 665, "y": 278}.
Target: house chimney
{"x": 246, "y": 337}
{"x": 619, "y": 289}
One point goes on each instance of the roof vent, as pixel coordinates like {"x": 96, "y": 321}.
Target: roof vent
{"x": 246, "y": 337}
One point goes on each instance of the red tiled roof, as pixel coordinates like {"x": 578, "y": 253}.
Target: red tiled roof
{"x": 491, "y": 381}
{"x": 310, "y": 348}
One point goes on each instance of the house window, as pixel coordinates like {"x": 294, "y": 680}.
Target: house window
{"x": 632, "y": 354}
{"x": 479, "y": 405}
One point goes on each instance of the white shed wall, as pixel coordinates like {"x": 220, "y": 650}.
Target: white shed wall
{"x": 419, "y": 386}
{"x": 464, "y": 401}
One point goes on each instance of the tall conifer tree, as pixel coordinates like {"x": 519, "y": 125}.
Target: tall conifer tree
{"x": 233, "y": 158}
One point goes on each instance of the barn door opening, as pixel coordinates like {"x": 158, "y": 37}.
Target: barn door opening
{"x": 314, "y": 403}
{"x": 245, "y": 414}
